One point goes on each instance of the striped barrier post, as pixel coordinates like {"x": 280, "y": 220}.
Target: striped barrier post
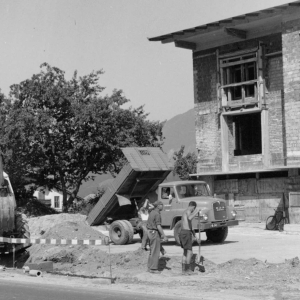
{"x": 53, "y": 241}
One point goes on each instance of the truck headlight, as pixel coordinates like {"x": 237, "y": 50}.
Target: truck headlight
{"x": 233, "y": 213}
{"x": 204, "y": 217}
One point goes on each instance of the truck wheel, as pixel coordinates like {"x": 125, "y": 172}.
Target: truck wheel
{"x": 130, "y": 231}
{"x": 177, "y": 229}
{"x": 118, "y": 233}
{"x": 21, "y": 227}
{"x": 217, "y": 236}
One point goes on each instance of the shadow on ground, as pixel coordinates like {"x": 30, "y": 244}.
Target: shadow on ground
{"x": 18, "y": 262}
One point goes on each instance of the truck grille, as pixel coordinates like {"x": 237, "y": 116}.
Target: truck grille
{"x": 220, "y": 210}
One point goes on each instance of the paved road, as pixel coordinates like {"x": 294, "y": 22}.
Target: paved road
{"x": 10, "y": 290}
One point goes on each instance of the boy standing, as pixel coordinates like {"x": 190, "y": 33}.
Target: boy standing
{"x": 187, "y": 236}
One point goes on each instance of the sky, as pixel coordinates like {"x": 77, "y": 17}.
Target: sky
{"x": 87, "y": 35}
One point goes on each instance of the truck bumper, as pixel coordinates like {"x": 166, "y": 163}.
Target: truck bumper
{"x": 206, "y": 226}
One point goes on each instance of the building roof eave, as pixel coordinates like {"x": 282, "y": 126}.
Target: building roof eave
{"x": 229, "y": 22}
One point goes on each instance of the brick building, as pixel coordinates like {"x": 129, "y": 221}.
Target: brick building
{"x": 247, "y": 108}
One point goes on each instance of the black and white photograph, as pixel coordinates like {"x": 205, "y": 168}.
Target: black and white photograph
{"x": 149, "y": 149}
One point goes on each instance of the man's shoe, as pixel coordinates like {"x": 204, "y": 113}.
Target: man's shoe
{"x": 190, "y": 271}
{"x": 154, "y": 271}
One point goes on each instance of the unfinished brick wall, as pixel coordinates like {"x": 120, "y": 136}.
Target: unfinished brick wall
{"x": 273, "y": 75}
{"x": 208, "y": 133}
{"x": 208, "y": 139}
{"x": 291, "y": 70}
{"x": 274, "y": 99}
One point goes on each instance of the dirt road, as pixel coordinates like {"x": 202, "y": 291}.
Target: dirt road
{"x": 249, "y": 240}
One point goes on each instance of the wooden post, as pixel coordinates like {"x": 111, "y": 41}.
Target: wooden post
{"x": 265, "y": 137}
{"x": 224, "y": 143}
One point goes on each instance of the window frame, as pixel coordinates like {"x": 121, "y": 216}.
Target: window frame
{"x": 227, "y": 84}
{"x": 56, "y": 202}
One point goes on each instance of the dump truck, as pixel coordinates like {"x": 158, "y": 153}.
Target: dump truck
{"x": 12, "y": 223}
{"x": 143, "y": 178}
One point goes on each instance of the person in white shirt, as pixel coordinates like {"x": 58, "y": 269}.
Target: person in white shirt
{"x": 144, "y": 214}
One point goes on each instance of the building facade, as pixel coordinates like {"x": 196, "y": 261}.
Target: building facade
{"x": 247, "y": 108}
{"x": 52, "y": 198}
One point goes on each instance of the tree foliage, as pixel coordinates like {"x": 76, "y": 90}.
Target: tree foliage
{"x": 59, "y": 131}
{"x": 184, "y": 164}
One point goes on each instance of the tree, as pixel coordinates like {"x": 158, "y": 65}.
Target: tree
{"x": 63, "y": 130}
{"x": 184, "y": 165}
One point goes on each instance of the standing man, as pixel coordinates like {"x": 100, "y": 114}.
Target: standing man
{"x": 187, "y": 236}
{"x": 143, "y": 214}
{"x": 155, "y": 234}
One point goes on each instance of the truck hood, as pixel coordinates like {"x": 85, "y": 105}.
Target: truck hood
{"x": 202, "y": 201}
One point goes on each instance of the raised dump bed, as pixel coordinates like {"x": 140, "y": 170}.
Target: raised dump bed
{"x": 146, "y": 169}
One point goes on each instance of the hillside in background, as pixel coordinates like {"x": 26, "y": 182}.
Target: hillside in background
{"x": 180, "y": 130}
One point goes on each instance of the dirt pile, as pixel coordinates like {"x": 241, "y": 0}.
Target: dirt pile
{"x": 81, "y": 259}
{"x": 64, "y": 226}
{"x": 38, "y": 226}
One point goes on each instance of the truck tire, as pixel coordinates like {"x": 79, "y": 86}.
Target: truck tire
{"x": 130, "y": 231}
{"x": 21, "y": 226}
{"x": 177, "y": 229}
{"x": 217, "y": 236}
{"x": 118, "y": 233}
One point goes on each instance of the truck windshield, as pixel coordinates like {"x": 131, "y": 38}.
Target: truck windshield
{"x": 192, "y": 190}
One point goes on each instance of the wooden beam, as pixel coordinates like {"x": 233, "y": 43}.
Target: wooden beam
{"x": 265, "y": 138}
{"x": 224, "y": 143}
{"x": 215, "y": 24}
{"x": 241, "y": 17}
{"x": 252, "y": 14}
{"x": 226, "y": 21}
{"x": 294, "y": 4}
{"x": 167, "y": 40}
{"x": 192, "y": 30}
{"x": 185, "y": 45}
{"x": 242, "y": 34}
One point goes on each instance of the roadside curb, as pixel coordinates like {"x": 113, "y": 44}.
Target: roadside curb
{"x": 51, "y": 278}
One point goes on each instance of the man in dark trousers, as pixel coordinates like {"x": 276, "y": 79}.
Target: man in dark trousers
{"x": 187, "y": 236}
{"x": 155, "y": 234}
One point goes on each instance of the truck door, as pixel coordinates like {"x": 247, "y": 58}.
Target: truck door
{"x": 166, "y": 196}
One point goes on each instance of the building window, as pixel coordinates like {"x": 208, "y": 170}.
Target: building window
{"x": 240, "y": 80}
{"x": 247, "y": 134}
{"x": 56, "y": 202}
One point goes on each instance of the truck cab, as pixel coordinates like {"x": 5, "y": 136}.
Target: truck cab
{"x": 142, "y": 178}
{"x": 215, "y": 216}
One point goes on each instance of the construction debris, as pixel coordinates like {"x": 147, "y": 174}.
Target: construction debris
{"x": 35, "y": 273}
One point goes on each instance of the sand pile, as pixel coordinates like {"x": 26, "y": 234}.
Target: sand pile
{"x": 38, "y": 226}
{"x": 81, "y": 259}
